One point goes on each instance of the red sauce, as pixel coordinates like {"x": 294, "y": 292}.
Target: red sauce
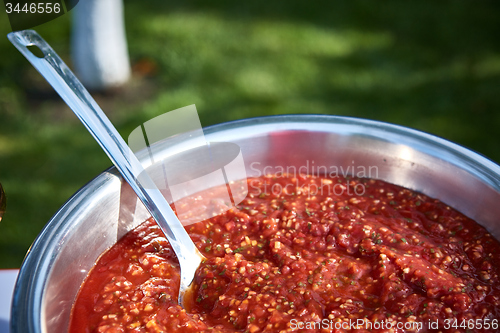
{"x": 306, "y": 259}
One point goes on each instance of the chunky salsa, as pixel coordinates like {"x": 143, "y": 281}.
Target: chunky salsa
{"x": 306, "y": 254}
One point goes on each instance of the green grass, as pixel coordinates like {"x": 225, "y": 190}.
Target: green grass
{"x": 433, "y": 66}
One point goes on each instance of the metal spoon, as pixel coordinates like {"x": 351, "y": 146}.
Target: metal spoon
{"x": 60, "y": 77}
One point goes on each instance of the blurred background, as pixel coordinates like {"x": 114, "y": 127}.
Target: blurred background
{"x": 429, "y": 65}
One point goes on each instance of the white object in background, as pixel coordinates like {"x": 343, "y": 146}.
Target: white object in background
{"x": 7, "y": 282}
{"x": 99, "y": 44}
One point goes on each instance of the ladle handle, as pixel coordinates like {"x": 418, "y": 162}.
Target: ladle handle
{"x": 60, "y": 77}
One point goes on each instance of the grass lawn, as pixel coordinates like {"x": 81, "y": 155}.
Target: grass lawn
{"x": 433, "y": 66}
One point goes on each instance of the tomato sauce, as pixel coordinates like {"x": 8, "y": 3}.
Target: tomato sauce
{"x": 306, "y": 254}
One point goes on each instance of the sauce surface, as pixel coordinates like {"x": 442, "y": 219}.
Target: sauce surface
{"x": 306, "y": 254}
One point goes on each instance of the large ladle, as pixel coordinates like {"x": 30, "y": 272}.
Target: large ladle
{"x": 60, "y": 77}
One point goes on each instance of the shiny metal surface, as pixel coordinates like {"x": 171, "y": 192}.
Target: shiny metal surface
{"x": 60, "y": 77}
{"x": 105, "y": 209}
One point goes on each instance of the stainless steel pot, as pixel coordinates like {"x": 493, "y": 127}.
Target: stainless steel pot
{"x": 105, "y": 209}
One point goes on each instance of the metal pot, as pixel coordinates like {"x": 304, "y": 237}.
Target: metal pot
{"x": 106, "y": 208}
